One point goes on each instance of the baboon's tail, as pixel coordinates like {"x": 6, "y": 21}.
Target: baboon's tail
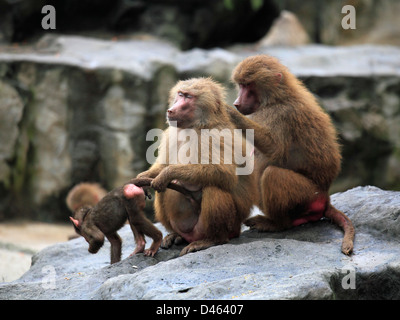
{"x": 340, "y": 219}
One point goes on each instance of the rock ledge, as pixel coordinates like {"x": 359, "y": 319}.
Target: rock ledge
{"x": 302, "y": 263}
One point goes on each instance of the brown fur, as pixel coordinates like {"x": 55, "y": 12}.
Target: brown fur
{"x": 297, "y": 156}
{"x": 226, "y": 198}
{"x": 84, "y": 194}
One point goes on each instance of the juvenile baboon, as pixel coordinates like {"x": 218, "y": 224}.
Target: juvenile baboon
{"x": 84, "y": 194}
{"x": 110, "y": 214}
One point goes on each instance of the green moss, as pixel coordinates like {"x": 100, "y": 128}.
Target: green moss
{"x": 22, "y": 156}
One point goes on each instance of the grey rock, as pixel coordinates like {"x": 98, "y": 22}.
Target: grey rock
{"x": 302, "y": 263}
{"x": 52, "y": 164}
{"x": 11, "y": 110}
{"x": 376, "y": 214}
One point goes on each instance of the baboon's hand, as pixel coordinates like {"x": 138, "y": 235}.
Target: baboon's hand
{"x": 160, "y": 183}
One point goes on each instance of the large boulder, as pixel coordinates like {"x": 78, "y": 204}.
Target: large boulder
{"x": 302, "y": 263}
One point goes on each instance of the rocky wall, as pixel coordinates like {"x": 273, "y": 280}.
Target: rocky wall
{"x": 78, "y": 109}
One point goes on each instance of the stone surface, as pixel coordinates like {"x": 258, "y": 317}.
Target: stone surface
{"x": 302, "y": 263}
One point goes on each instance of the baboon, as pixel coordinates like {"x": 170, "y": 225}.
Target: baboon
{"x": 297, "y": 155}
{"x": 197, "y": 106}
{"x": 84, "y": 194}
{"x": 110, "y": 214}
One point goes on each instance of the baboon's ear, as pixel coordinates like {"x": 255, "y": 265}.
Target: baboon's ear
{"x": 75, "y": 222}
